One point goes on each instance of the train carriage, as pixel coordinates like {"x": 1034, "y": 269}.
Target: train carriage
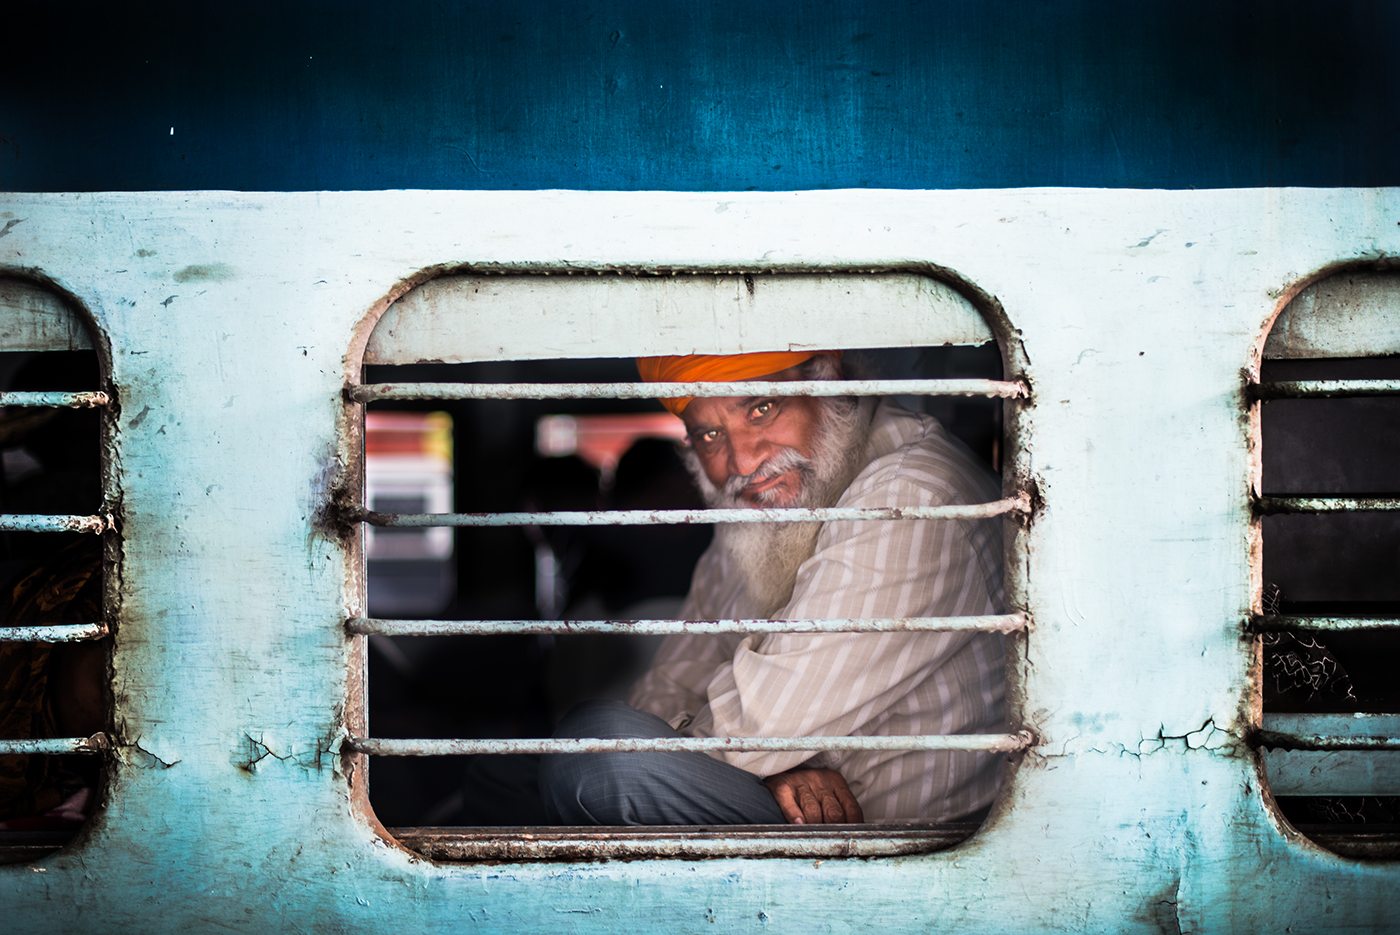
{"x": 1136, "y": 332}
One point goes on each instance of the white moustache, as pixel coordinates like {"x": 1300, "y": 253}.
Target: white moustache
{"x": 786, "y": 459}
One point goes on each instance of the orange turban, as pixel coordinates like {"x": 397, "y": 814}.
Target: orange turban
{"x": 717, "y": 368}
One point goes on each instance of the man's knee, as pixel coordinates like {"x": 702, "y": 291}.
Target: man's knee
{"x": 593, "y": 788}
{"x": 611, "y": 720}
{"x": 645, "y": 788}
{"x": 600, "y": 788}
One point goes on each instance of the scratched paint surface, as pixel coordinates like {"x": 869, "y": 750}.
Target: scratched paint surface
{"x": 235, "y": 322}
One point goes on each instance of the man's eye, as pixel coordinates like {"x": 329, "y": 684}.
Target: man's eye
{"x": 710, "y": 436}
{"x": 763, "y": 408}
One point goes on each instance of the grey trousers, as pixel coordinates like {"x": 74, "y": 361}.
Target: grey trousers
{"x": 614, "y": 788}
{"x": 645, "y": 788}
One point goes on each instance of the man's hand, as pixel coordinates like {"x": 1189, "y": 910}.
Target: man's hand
{"x": 814, "y": 797}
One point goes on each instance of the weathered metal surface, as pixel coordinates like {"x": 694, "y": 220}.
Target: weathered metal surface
{"x": 1324, "y": 389}
{"x": 54, "y": 399}
{"x": 1001, "y": 623}
{"x": 1140, "y": 809}
{"x": 1270, "y": 506}
{"x": 1288, "y": 740}
{"x": 22, "y": 846}
{"x": 1018, "y": 504}
{"x": 1361, "y": 723}
{"x": 687, "y": 842}
{"x": 1360, "y": 842}
{"x": 30, "y": 522}
{"x": 56, "y": 745}
{"x": 462, "y": 318}
{"x": 34, "y": 319}
{"x": 1001, "y": 389}
{"x": 1354, "y": 314}
{"x": 1332, "y": 772}
{"x": 1269, "y": 623}
{"x": 1331, "y": 754}
{"x": 995, "y": 743}
{"x": 57, "y": 633}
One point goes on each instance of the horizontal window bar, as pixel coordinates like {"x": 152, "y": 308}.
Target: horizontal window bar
{"x": 1324, "y": 389}
{"x": 1333, "y": 772}
{"x": 1267, "y": 623}
{"x": 1291, "y": 740}
{"x": 1271, "y": 506}
{"x": 61, "y": 633}
{"x": 55, "y": 400}
{"x": 34, "y": 522}
{"x": 887, "y": 839}
{"x": 1018, "y": 504}
{"x": 55, "y": 745}
{"x": 1333, "y": 723}
{"x": 992, "y": 743}
{"x": 1005, "y": 389}
{"x": 1003, "y": 623}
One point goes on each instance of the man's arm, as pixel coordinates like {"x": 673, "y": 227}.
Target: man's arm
{"x": 835, "y": 684}
{"x": 673, "y": 687}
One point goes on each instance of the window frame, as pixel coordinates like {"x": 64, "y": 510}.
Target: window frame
{"x": 604, "y": 842}
{"x": 1316, "y": 327}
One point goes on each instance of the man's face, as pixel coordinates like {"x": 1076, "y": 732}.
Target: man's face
{"x": 756, "y": 446}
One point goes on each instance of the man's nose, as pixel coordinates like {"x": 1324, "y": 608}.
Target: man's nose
{"x": 747, "y": 452}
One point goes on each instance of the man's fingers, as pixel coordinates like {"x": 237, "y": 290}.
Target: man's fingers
{"x": 787, "y": 803}
{"x": 814, "y": 796}
{"x": 854, "y": 814}
{"x": 833, "y": 812}
{"x": 811, "y": 807}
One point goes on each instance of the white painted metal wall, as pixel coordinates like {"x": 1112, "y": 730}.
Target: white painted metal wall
{"x": 232, "y": 322}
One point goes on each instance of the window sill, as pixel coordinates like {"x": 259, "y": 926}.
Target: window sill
{"x": 682, "y": 842}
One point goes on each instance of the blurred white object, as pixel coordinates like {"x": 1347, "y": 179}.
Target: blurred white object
{"x": 408, "y": 469}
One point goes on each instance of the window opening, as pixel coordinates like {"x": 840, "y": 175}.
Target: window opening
{"x": 561, "y": 485}
{"x": 53, "y": 637}
{"x": 1331, "y": 543}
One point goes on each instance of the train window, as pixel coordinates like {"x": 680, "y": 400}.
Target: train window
{"x": 1330, "y": 596}
{"x": 579, "y": 527}
{"x": 53, "y": 634}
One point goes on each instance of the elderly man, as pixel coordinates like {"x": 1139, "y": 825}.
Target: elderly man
{"x": 776, "y": 451}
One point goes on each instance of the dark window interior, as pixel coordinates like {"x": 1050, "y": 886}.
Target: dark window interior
{"x": 1345, "y": 564}
{"x": 518, "y": 686}
{"x": 50, "y": 462}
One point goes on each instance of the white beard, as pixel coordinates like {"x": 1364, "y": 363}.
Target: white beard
{"x": 767, "y": 555}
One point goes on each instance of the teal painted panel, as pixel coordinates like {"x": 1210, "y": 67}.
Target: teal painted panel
{"x": 728, "y": 95}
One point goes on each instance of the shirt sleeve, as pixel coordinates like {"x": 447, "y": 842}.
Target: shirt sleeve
{"x": 674, "y": 686}
{"x": 842, "y": 684}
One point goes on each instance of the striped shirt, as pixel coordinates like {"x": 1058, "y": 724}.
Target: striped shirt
{"x": 861, "y": 684}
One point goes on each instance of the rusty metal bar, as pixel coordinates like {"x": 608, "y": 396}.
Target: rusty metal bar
{"x": 61, "y": 633}
{"x": 55, "y": 400}
{"x": 890, "y": 839}
{"x": 1003, "y": 389}
{"x": 1000, "y": 623}
{"x": 1324, "y": 389}
{"x": 1338, "y": 723}
{"x": 30, "y": 522}
{"x": 1017, "y": 504}
{"x": 1289, "y": 740}
{"x": 1358, "y": 841}
{"x": 992, "y": 743}
{"x": 56, "y": 745}
{"x": 1272, "y": 506}
{"x": 1273, "y": 622}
